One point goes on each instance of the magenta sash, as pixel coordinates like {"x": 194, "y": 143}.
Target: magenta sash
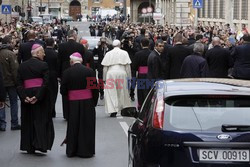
{"x": 143, "y": 70}
{"x": 33, "y": 83}
{"x": 82, "y": 94}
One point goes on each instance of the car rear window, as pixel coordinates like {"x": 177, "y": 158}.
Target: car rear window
{"x": 206, "y": 112}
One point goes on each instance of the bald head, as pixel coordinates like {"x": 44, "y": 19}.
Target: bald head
{"x": 216, "y": 41}
{"x": 31, "y": 35}
{"x": 38, "y": 52}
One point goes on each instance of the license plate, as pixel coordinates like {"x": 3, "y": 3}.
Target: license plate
{"x": 224, "y": 155}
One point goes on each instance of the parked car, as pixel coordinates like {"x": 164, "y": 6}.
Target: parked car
{"x": 192, "y": 123}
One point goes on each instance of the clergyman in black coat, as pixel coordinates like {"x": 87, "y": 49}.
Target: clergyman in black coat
{"x": 52, "y": 60}
{"x": 140, "y": 65}
{"x": 65, "y": 50}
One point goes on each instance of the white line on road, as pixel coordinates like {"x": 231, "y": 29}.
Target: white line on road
{"x": 124, "y": 127}
{"x": 120, "y": 117}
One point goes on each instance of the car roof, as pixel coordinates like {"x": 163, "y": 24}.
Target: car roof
{"x": 204, "y": 86}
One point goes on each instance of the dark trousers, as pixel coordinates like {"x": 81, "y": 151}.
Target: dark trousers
{"x": 100, "y": 79}
{"x": 13, "y": 108}
{"x": 53, "y": 87}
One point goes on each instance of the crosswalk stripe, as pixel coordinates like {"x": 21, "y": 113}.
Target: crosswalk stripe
{"x": 124, "y": 127}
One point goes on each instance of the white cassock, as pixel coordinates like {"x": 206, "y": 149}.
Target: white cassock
{"x": 116, "y": 72}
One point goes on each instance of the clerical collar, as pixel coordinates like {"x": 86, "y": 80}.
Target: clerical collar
{"x": 157, "y": 52}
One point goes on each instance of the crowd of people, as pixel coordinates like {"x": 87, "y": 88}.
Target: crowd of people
{"x": 34, "y": 59}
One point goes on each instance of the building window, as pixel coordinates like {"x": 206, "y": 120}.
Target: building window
{"x": 96, "y": 1}
{"x": 222, "y": 9}
{"x": 209, "y": 9}
{"x": 117, "y": 1}
{"x": 236, "y": 10}
{"x": 215, "y": 9}
{"x": 244, "y": 9}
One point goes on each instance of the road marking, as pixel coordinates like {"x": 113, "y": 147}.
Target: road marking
{"x": 120, "y": 117}
{"x": 124, "y": 127}
{"x": 81, "y": 31}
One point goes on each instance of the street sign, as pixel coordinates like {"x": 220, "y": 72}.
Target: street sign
{"x": 197, "y": 3}
{"x": 149, "y": 9}
{"x": 158, "y": 10}
{"x": 6, "y": 9}
{"x": 144, "y": 10}
{"x": 157, "y": 16}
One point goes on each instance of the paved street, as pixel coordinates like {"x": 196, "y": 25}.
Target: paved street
{"x": 111, "y": 140}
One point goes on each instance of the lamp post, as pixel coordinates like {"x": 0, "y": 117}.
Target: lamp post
{"x": 41, "y": 6}
{"x": 48, "y": 6}
{"x": 125, "y": 8}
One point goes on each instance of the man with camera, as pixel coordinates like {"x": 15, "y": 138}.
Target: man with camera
{"x": 127, "y": 45}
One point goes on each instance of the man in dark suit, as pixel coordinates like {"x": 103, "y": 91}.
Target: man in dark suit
{"x": 219, "y": 60}
{"x": 241, "y": 57}
{"x": 51, "y": 59}
{"x": 154, "y": 62}
{"x": 101, "y": 50}
{"x": 164, "y": 54}
{"x": 24, "y": 51}
{"x": 175, "y": 58}
{"x": 65, "y": 50}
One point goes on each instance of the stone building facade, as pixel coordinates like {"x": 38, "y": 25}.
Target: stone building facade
{"x": 221, "y": 12}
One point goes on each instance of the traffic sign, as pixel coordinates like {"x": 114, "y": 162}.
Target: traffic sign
{"x": 6, "y": 9}
{"x": 197, "y": 3}
{"x": 158, "y": 10}
{"x": 144, "y": 10}
{"x": 149, "y": 9}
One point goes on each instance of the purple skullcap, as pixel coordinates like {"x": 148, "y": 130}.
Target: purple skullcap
{"x": 76, "y": 55}
{"x": 35, "y": 46}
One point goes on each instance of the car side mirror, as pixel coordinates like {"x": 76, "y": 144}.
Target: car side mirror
{"x": 129, "y": 112}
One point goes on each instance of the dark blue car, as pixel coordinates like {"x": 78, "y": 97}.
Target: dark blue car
{"x": 192, "y": 123}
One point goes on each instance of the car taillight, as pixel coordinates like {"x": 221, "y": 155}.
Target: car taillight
{"x": 158, "y": 116}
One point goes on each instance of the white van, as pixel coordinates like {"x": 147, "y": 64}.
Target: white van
{"x": 38, "y": 20}
{"x": 47, "y": 18}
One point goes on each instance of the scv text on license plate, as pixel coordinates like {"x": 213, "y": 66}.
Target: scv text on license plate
{"x": 224, "y": 155}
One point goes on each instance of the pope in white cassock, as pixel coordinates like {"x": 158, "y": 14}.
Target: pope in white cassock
{"x": 116, "y": 72}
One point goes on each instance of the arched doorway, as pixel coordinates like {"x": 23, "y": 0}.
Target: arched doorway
{"x": 145, "y": 17}
{"x": 74, "y": 9}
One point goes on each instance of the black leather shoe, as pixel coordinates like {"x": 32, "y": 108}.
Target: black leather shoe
{"x": 2, "y": 129}
{"x": 113, "y": 114}
{"x": 102, "y": 97}
{"x": 30, "y": 151}
{"x": 18, "y": 127}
